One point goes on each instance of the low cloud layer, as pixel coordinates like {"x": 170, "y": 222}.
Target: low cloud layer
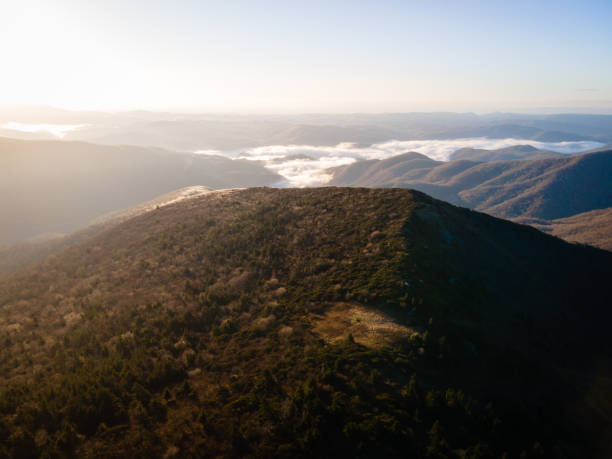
{"x": 57, "y": 130}
{"x": 441, "y": 150}
{"x": 307, "y": 165}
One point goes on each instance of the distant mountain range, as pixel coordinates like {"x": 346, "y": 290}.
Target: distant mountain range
{"x": 514, "y": 131}
{"x": 544, "y": 189}
{"x": 190, "y": 132}
{"x": 58, "y": 187}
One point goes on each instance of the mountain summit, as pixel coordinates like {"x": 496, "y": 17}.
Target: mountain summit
{"x": 327, "y": 322}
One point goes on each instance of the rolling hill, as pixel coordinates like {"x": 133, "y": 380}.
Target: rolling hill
{"x": 330, "y": 322}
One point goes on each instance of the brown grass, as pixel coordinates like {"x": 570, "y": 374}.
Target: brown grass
{"x": 369, "y": 327}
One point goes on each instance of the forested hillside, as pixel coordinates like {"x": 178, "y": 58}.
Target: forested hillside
{"x": 326, "y": 322}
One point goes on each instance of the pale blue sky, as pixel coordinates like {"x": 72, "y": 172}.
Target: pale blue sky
{"x": 292, "y": 56}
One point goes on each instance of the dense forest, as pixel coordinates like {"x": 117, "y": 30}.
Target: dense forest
{"x": 327, "y": 322}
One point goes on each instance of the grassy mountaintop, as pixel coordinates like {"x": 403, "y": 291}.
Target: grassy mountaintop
{"x": 318, "y": 322}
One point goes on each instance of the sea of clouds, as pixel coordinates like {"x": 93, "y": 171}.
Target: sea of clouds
{"x": 308, "y": 165}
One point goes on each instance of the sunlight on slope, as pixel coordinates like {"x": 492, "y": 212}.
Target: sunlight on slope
{"x": 368, "y": 326}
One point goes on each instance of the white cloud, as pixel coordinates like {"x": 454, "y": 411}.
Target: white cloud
{"x": 291, "y": 161}
{"x": 58, "y": 130}
{"x": 301, "y": 173}
{"x": 442, "y": 149}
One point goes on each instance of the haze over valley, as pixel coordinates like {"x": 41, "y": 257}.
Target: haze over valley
{"x": 302, "y": 147}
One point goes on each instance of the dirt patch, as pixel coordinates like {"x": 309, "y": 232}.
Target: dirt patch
{"x": 368, "y": 326}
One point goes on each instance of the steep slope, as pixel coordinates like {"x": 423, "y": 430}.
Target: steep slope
{"x": 318, "y": 322}
{"x": 57, "y": 187}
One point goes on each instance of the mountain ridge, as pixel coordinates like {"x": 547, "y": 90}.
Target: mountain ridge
{"x": 224, "y": 323}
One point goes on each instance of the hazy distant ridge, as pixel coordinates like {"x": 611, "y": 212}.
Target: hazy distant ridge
{"x": 54, "y": 186}
{"x": 190, "y": 132}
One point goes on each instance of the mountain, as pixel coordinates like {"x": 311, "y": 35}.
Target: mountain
{"x": 550, "y": 188}
{"x": 546, "y": 189}
{"x": 504, "y": 154}
{"x": 330, "y": 322}
{"x": 58, "y": 187}
{"x": 25, "y": 253}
